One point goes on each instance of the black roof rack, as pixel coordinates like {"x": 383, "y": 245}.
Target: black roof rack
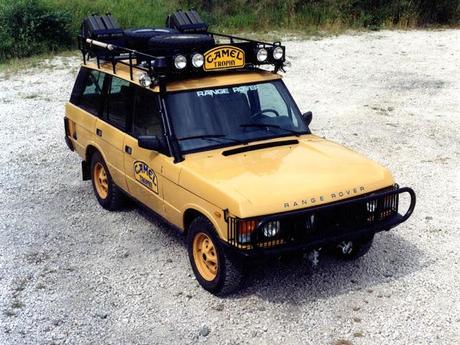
{"x": 184, "y": 48}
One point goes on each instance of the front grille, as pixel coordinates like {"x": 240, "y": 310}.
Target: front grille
{"x": 318, "y": 223}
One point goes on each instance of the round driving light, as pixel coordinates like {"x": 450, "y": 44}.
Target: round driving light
{"x": 145, "y": 80}
{"x": 197, "y": 60}
{"x": 278, "y": 53}
{"x": 180, "y": 62}
{"x": 272, "y": 228}
{"x": 262, "y": 55}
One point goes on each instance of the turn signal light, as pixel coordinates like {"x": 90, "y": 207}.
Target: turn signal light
{"x": 245, "y": 229}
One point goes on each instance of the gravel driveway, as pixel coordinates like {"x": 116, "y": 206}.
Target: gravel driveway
{"x": 72, "y": 273}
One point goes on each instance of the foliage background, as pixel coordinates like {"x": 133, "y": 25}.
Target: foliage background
{"x": 30, "y": 27}
{"x": 329, "y": 14}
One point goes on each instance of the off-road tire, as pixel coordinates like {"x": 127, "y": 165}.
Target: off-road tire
{"x": 229, "y": 270}
{"x": 181, "y": 43}
{"x": 360, "y": 248}
{"x": 115, "y": 198}
{"x": 139, "y": 38}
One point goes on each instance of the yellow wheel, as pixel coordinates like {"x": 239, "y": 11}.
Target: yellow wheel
{"x": 107, "y": 193}
{"x": 204, "y": 254}
{"x": 100, "y": 180}
{"x": 217, "y": 270}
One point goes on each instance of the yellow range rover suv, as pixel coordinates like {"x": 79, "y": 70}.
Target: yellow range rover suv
{"x": 200, "y": 128}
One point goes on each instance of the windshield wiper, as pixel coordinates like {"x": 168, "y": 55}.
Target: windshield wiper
{"x": 211, "y": 137}
{"x": 267, "y": 125}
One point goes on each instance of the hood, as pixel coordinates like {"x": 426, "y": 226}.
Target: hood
{"x": 283, "y": 178}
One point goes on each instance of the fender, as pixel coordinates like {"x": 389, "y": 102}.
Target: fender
{"x": 211, "y": 214}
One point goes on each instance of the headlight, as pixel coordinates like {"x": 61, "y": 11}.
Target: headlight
{"x": 271, "y": 229}
{"x": 197, "y": 60}
{"x": 278, "y": 53}
{"x": 262, "y": 55}
{"x": 180, "y": 61}
{"x": 145, "y": 80}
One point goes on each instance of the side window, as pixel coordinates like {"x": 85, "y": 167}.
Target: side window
{"x": 147, "y": 119}
{"x": 118, "y": 105}
{"x": 90, "y": 84}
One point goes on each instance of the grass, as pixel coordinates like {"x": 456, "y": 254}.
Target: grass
{"x": 130, "y": 13}
{"x": 15, "y": 65}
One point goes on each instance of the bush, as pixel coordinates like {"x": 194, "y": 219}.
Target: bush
{"x": 301, "y": 14}
{"x": 27, "y": 27}
{"x": 439, "y": 11}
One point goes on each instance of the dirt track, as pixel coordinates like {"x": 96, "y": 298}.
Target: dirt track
{"x": 72, "y": 273}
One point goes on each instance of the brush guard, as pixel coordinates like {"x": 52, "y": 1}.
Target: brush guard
{"x": 322, "y": 225}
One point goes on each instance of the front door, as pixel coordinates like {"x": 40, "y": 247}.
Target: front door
{"x": 143, "y": 167}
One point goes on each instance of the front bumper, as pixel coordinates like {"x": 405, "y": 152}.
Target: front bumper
{"x": 323, "y": 225}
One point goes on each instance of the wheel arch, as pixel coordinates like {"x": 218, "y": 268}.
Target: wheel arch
{"x": 90, "y": 150}
{"x": 86, "y": 164}
{"x": 191, "y": 213}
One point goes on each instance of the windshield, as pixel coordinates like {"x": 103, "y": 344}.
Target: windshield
{"x": 235, "y": 114}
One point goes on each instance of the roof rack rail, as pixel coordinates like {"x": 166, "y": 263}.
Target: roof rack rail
{"x": 188, "y": 48}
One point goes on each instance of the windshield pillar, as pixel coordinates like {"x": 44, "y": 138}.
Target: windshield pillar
{"x": 171, "y": 139}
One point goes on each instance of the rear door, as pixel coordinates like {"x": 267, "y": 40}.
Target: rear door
{"x": 112, "y": 127}
{"x": 84, "y": 108}
{"x": 143, "y": 167}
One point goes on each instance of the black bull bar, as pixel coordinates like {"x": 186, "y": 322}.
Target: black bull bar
{"x": 322, "y": 225}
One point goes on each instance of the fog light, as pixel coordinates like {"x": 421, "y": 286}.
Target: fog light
{"x": 145, "y": 80}
{"x": 278, "y": 53}
{"x": 180, "y": 61}
{"x": 262, "y": 55}
{"x": 197, "y": 60}
{"x": 271, "y": 229}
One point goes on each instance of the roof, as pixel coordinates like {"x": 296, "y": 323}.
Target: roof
{"x": 192, "y": 83}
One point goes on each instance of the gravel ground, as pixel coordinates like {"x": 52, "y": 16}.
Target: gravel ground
{"x": 72, "y": 273}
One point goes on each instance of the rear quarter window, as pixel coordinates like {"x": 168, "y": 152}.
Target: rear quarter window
{"x": 88, "y": 90}
{"x": 118, "y": 105}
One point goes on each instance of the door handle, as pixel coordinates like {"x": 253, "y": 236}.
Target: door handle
{"x": 128, "y": 149}
{"x": 99, "y": 132}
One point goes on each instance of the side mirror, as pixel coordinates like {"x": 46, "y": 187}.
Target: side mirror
{"x": 149, "y": 142}
{"x": 307, "y": 117}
